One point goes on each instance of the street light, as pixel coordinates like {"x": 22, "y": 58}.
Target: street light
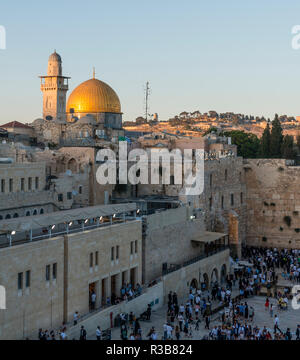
{"x": 13, "y": 232}
{"x": 53, "y": 227}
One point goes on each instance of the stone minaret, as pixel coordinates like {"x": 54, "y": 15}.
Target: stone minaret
{"x": 54, "y": 87}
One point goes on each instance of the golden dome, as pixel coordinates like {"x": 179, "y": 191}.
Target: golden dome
{"x": 94, "y": 96}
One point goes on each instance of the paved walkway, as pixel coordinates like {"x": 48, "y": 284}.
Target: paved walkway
{"x": 288, "y": 318}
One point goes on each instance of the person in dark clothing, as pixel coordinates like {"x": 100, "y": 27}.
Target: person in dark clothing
{"x": 207, "y": 322}
{"x": 288, "y": 335}
{"x": 246, "y": 311}
{"x": 82, "y": 333}
{"x": 175, "y": 300}
{"x": 148, "y": 312}
{"x": 298, "y": 333}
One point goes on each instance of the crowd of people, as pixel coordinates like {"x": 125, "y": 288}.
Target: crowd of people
{"x": 228, "y": 304}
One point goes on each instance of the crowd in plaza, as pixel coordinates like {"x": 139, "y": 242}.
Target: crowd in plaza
{"x": 227, "y": 303}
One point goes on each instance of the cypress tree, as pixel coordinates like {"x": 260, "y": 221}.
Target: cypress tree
{"x": 265, "y": 142}
{"x": 287, "y": 148}
{"x": 276, "y": 138}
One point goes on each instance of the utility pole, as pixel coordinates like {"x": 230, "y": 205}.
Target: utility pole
{"x": 147, "y": 93}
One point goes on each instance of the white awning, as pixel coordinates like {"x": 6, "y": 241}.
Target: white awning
{"x": 58, "y": 217}
{"x": 208, "y": 237}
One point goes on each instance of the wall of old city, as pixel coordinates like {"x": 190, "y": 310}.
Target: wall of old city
{"x": 224, "y": 198}
{"x": 273, "y": 203}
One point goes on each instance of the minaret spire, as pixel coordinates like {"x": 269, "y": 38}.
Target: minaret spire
{"x": 94, "y": 72}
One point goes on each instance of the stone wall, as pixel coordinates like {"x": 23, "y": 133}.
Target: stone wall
{"x": 212, "y": 267}
{"x": 167, "y": 239}
{"x": 39, "y": 305}
{"x": 273, "y": 203}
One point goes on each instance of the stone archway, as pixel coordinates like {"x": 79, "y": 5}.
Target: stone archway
{"x": 214, "y": 276}
{"x": 205, "y": 282}
{"x": 194, "y": 284}
{"x": 223, "y": 274}
{"x": 72, "y": 165}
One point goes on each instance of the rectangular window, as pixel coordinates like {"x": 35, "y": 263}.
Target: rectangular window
{"x": 210, "y": 203}
{"x": 27, "y": 279}
{"x": 11, "y": 185}
{"x": 47, "y": 272}
{"x": 29, "y": 184}
{"x": 172, "y": 180}
{"x": 222, "y": 202}
{"x": 22, "y": 184}
{"x": 54, "y": 271}
{"x": 20, "y": 281}
{"x": 136, "y": 246}
{"x": 80, "y": 189}
{"x": 117, "y": 252}
{"x": 36, "y": 183}
{"x": 232, "y": 199}
{"x": 131, "y": 247}
{"x": 242, "y": 198}
{"x": 112, "y": 254}
{"x": 60, "y": 197}
{"x": 3, "y": 185}
{"x": 69, "y": 196}
{"x": 91, "y": 260}
{"x": 96, "y": 258}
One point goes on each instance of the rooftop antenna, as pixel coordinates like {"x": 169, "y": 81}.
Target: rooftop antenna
{"x": 147, "y": 93}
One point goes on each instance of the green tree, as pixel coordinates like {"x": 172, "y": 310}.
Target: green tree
{"x": 287, "y": 147}
{"x": 298, "y": 142}
{"x": 265, "y": 143}
{"x": 247, "y": 144}
{"x": 276, "y": 138}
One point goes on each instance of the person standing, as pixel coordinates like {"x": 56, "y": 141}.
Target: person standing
{"x": 75, "y": 317}
{"x": 271, "y": 310}
{"x": 207, "y": 322}
{"x": 93, "y": 300}
{"x": 276, "y": 324}
{"x": 298, "y": 333}
{"x": 98, "y": 333}
{"x": 82, "y": 333}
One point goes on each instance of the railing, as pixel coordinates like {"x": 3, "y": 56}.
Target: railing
{"x": 75, "y": 229}
{"x": 194, "y": 260}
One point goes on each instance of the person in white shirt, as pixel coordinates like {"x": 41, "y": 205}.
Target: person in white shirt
{"x": 153, "y": 336}
{"x": 169, "y": 332}
{"x": 276, "y": 324}
{"x": 98, "y": 333}
{"x": 75, "y": 317}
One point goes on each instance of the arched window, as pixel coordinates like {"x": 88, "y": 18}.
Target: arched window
{"x": 27, "y": 213}
{"x": 72, "y": 165}
{"x": 16, "y": 215}
{"x": 34, "y": 212}
{"x": 7, "y": 216}
{"x": 42, "y": 211}
{"x": 1, "y": 217}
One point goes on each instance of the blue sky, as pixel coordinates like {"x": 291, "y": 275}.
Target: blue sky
{"x": 197, "y": 55}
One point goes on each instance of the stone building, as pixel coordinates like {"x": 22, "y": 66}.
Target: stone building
{"x": 48, "y": 279}
{"x": 92, "y": 112}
